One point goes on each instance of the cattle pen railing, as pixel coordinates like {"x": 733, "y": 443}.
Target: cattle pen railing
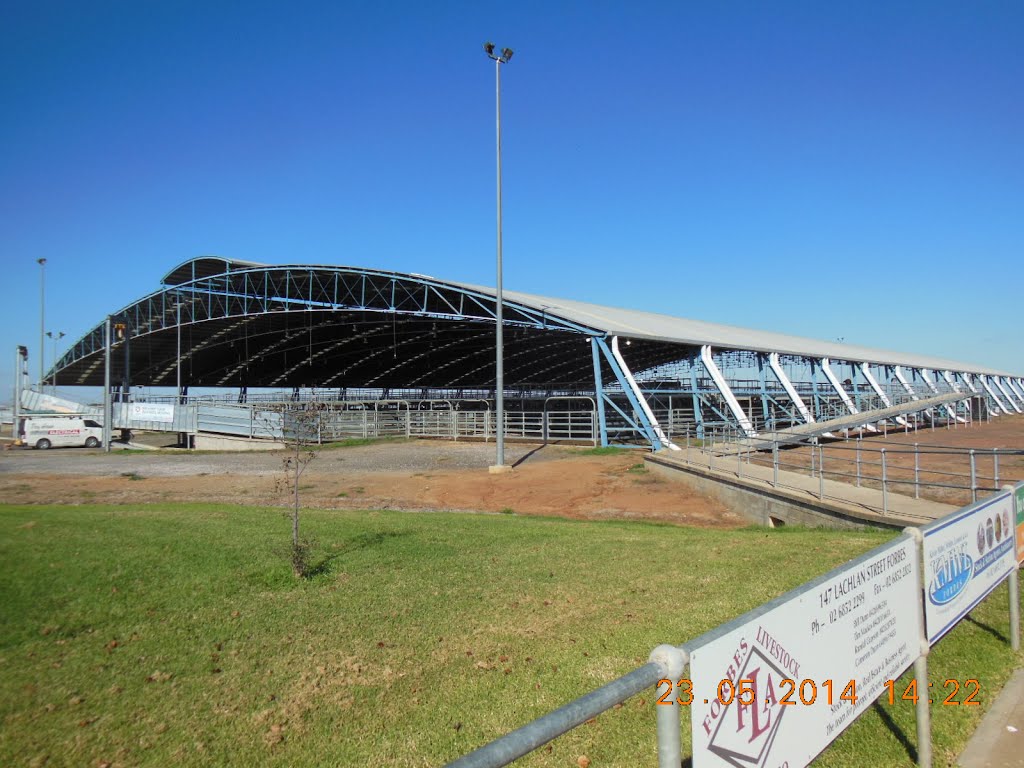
{"x": 942, "y": 473}
{"x": 914, "y": 589}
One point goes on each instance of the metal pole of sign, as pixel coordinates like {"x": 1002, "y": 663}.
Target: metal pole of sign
{"x": 995, "y": 467}
{"x": 673, "y": 663}
{"x": 922, "y": 708}
{"x": 1013, "y": 582}
{"x": 108, "y": 414}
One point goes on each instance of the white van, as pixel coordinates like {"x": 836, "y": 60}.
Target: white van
{"x": 59, "y": 431}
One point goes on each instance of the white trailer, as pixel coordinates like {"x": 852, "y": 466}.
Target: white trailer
{"x": 58, "y": 431}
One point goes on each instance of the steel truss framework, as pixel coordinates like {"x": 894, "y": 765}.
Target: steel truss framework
{"x": 221, "y": 323}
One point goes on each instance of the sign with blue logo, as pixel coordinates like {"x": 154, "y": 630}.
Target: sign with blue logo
{"x": 966, "y": 556}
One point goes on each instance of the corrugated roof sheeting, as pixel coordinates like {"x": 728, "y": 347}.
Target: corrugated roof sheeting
{"x": 638, "y": 324}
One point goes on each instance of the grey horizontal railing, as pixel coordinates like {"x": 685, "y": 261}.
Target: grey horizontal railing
{"x": 542, "y": 730}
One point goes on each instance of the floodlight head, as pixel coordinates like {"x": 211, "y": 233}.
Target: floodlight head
{"x": 40, "y": 262}
{"x": 23, "y": 351}
{"x": 506, "y": 53}
{"x": 489, "y": 47}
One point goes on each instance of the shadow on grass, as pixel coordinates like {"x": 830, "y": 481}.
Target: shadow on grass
{"x": 991, "y": 630}
{"x": 357, "y": 543}
{"x": 896, "y": 731}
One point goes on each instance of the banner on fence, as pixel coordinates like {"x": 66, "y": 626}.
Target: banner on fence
{"x": 151, "y": 412}
{"x": 1019, "y": 504}
{"x": 777, "y": 686}
{"x": 966, "y": 555}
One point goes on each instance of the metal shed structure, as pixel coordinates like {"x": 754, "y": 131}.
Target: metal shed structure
{"x": 351, "y": 333}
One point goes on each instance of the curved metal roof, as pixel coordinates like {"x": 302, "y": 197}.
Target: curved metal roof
{"x": 224, "y": 322}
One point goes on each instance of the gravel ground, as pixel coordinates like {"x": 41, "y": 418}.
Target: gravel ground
{"x": 389, "y": 455}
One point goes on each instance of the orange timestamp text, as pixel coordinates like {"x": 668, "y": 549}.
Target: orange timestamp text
{"x": 789, "y": 692}
{"x": 971, "y": 687}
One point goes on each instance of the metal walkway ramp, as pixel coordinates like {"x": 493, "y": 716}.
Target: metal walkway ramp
{"x": 820, "y": 428}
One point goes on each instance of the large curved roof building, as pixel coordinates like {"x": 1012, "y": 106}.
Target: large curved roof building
{"x": 352, "y": 332}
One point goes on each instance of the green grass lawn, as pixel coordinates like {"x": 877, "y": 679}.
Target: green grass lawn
{"x": 176, "y": 634}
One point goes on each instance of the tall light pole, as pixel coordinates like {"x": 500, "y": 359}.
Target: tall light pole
{"x": 499, "y": 385}
{"x": 56, "y": 337}
{"x": 42, "y": 315}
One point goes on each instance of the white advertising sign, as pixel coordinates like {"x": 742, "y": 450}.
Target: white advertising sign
{"x": 966, "y": 555}
{"x": 782, "y": 682}
{"x": 151, "y": 412}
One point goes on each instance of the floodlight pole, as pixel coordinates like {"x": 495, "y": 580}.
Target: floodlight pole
{"x": 42, "y": 316}
{"x": 499, "y": 384}
{"x": 55, "y": 337}
{"x": 20, "y": 364}
{"x": 108, "y": 409}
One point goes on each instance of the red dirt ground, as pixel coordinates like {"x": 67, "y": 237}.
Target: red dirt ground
{"x": 563, "y": 483}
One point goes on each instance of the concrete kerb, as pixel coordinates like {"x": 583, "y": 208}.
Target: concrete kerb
{"x": 999, "y": 740}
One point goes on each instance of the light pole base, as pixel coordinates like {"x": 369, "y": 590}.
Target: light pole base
{"x": 499, "y": 469}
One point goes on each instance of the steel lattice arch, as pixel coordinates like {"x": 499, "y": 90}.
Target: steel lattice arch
{"x": 353, "y": 333}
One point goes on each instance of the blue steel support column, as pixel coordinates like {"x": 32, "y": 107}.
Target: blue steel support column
{"x": 1009, "y": 397}
{"x": 661, "y": 439}
{"x": 776, "y": 365}
{"x": 1014, "y": 386}
{"x": 991, "y": 393}
{"x": 898, "y": 373}
{"x": 602, "y": 423}
{"x": 856, "y": 387}
{"x": 926, "y": 377}
{"x": 761, "y": 357}
{"x": 726, "y": 391}
{"x": 816, "y": 402}
{"x": 644, "y": 425}
{"x": 698, "y": 414}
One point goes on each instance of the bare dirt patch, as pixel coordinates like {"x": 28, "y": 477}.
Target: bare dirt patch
{"x": 409, "y": 475}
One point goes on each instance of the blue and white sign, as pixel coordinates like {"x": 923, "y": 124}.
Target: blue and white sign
{"x": 966, "y": 555}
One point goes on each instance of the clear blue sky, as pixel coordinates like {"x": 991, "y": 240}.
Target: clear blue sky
{"x": 831, "y": 170}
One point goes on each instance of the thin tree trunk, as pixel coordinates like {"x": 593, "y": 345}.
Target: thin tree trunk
{"x": 295, "y": 514}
